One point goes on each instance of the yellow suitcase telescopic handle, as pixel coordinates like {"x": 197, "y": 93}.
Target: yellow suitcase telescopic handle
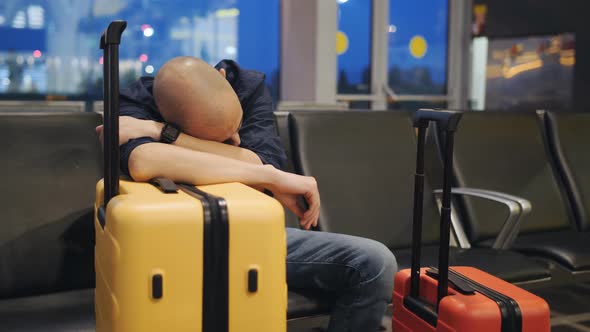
{"x": 109, "y": 43}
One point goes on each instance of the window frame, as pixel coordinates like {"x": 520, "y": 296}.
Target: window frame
{"x": 458, "y": 54}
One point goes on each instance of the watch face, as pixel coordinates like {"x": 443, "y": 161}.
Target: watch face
{"x": 170, "y": 133}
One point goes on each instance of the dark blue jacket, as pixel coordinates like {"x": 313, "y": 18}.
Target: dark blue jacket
{"x": 257, "y": 133}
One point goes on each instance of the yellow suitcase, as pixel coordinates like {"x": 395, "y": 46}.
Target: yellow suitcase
{"x": 183, "y": 258}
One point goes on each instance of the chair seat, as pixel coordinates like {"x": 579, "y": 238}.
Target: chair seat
{"x": 64, "y": 312}
{"x": 508, "y": 265}
{"x": 569, "y": 248}
{"x": 74, "y": 311}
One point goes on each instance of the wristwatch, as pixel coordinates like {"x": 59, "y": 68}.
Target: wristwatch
{"x": 169, "y": 133}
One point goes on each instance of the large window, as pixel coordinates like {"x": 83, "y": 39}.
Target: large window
{"x": 51, "y": 46}
{"x": 418, "y": 46}
{"x": 353, "y": 46}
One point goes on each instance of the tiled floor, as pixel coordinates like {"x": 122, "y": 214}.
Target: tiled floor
{"x": 570, "y": 307}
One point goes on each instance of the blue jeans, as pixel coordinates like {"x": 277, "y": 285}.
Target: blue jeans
{"x": 358, "y": 272}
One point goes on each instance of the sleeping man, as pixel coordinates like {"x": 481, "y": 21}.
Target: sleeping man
{"x": 199, "y": 124}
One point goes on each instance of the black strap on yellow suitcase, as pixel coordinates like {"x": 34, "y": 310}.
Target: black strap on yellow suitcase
{"x": 215, "y": 260}
{"x": 215, "y": 216}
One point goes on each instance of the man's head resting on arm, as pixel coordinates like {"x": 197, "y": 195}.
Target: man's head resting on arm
{"x": 198, "y": 99}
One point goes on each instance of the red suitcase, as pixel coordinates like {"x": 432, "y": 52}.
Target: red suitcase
{"x": 460, "y": 299}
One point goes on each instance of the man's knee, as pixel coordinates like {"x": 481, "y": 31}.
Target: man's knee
{"x": 379, "y": 265}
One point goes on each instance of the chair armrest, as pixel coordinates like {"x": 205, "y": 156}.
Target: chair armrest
{"x": 518, "y": 207}
{"x": 524, "y": 203}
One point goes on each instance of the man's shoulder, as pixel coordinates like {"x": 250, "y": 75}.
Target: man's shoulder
{"x": 137, "y": 100}
{"x": 140, "y": 92}
{"x": 245, "y": 82}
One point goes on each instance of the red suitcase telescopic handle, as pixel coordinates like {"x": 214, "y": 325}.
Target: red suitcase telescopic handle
{"x": 109, "y": 43}
{"x": 448, "y": 122}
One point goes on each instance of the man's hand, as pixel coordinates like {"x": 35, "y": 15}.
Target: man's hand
{"x": 288, "y": 187}
{"x": 131, "y": 128}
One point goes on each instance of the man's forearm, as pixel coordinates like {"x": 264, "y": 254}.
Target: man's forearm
{"x": 220, "y": 149}
{"x": 179, "y": 164}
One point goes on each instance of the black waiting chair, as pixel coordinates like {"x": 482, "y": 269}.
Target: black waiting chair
{"x": 506, "y": 151}
{"x": 364, "y": 163}
{"x": 568, "y": 135}
{"x": 50, "y": 164}
{"x": 282, "y": 125}
{"x": 42, "y": 106}
{"x": 302, "y": 304}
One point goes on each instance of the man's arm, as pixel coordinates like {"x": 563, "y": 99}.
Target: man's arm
{"x": 220, "y": 149}
{"x": 151, "y": 160}
{"x": 143, "y": 158}
{"x": 154, "y": 130}
{"x": 132, "y": 128}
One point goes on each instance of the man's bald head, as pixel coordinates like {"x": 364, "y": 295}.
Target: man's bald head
{"x": 197, "y": 98}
